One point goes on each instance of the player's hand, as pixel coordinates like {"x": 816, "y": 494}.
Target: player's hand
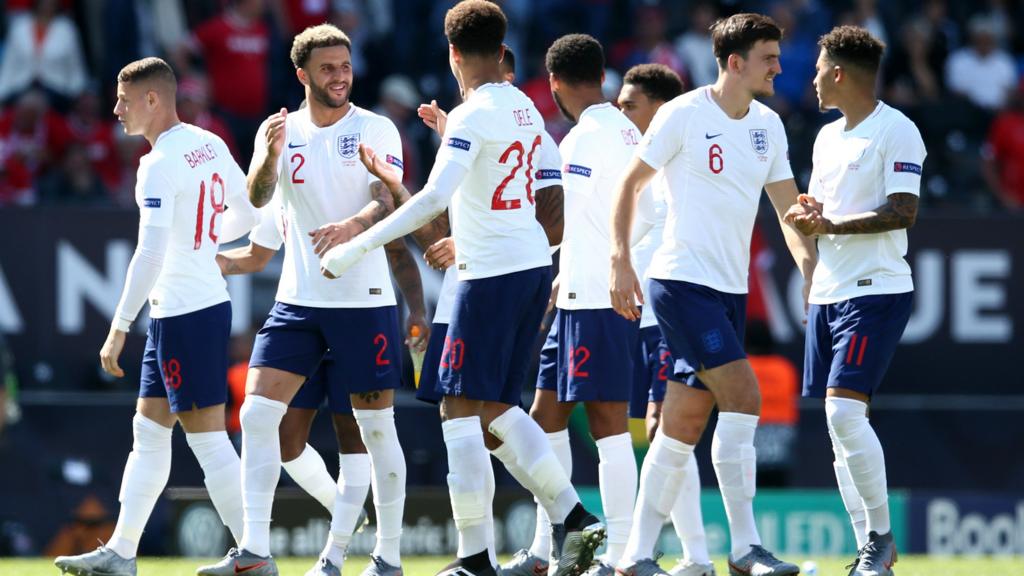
{"x": 379, "y": 168}
{"x": 275, "y": 132}
{"x": 813, "y": 224}
{"x": 433, "y": 117}
{"x": 418, "y": 332}
{"x": 111, "y": 351}
{"x": 625, "y": 289}
{"x": 805, "y": 206}
{"x": 555, "y": 285}
{"x": 330, "y": 235}
{"x": 441, "y": 254}
{"x": 340, "y": 258}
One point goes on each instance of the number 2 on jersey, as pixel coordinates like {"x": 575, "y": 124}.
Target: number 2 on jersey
{"x": 218, "y": 208}
{"x": 496, "y": 201}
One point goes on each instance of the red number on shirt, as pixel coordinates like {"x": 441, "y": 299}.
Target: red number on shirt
{"x": 453, "y": 353}
{"x": 577, "y": 358}
{"x": 218, "y": 209}
{"x": 663, "y": 371}
{"x": 295, "y": 170}
{"x": 172, "y": 373}
{"x": 715, "y": 161}
{"x": 496, "y": 202}
{"x": 382, "y": 341}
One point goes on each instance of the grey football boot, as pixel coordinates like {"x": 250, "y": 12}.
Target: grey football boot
{"x": 378, "y": 567}
{"x": 573, "y": 543}
{"x": 524, "y": 563}
{"x": 241, "y": 562}
{"x": 690, "y": 568}
{"x": 876, "y": 557}
{"x": 645, "y": 567}
{"x": 600, "y": 569}
{"x": 324, "y": 567}
{"x": 100, "y": 562}
{"x": 760, "y": 562}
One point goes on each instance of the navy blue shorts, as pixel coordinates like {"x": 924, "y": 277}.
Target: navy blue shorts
{"x": 594, "y": 363}
{"x": 427, "y": 390}
{"x": 850, "y": 343}
{"x": 547, "y": 373}
{"x": 317, "y": 389}
{"x": 702, "y": 326}
{"x": 494, "y": 325}
{"x": 186, "y": 358}
{"x": 365, "y": 345}
{"x": 652, "y": 364}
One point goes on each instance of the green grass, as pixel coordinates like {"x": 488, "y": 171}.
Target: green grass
{"x": 427, "y": 566}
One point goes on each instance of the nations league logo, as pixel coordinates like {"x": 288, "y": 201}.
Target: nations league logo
{"x": 348, "y": 145}
{"x": 759, "y": 139}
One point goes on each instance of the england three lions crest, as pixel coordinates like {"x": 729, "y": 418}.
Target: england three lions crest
{"x": 759, "y": 140}
{"x": 348, "y": 145}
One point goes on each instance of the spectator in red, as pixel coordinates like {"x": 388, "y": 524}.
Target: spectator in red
{"x": 32, "y": 138}
{"x": 43, "y": 49}
{"x": 297, "y": 15}
{"x": 194, "y": 108}
{"x": 235, "y": 48}
{"x": 95, "y": 130}
{"x": 1002, "y": 157}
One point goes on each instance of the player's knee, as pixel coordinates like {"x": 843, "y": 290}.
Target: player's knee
{"x": 844, "y": 416}
{"x": 606, "y": 419}
{"x": 291, "y": 448}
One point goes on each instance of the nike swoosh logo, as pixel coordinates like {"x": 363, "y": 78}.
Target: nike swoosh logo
{"x": 290, "y": 145}
{"x": 710, "y": 136}
{"x": 239, "y": 569}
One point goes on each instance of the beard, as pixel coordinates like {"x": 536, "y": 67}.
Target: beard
{"x": 561, "y": 107}
{"x": 322, "y": 96}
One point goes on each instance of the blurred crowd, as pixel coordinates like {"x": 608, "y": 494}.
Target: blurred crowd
{"x": 953, "y": 66}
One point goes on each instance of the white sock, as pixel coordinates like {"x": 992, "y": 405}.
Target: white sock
{"x": 507, "y": 456}
{"x": 851, "y": 499}
{"x": 222, "y": 471}
{"x": 144, "y": 478}
{"x": 533, "y": 452}
{"x": 732, "y": 453}
{"x": 865, "y": 461}
{"x": 354, "y": 477}
{"x": 492, "y": 547}
{"x": 467, "y": 484}
{"x": 661, "y": 478}
{"x": 541, "y": 546}
{"x": 261, "y": 468}
{"x": 309, "y": 471}
{"x": 687, "y": 518}
{"x": 617, "y": 476}
{"x": 377, "y": 429}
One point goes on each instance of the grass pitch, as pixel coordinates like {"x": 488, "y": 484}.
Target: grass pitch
{"x": 429, "y": 565}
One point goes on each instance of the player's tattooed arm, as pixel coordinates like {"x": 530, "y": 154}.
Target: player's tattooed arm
{"x": 262, "y": 177}
{"x": 550, "y": 212}
{"x": 899, "y": 212}
{"x": 407, "y": 275}
{"x": 428, "y": 234}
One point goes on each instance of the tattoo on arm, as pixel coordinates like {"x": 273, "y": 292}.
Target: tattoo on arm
{"x": 899, "y": 212}
{"x": 379, "y": 207}
{"x": 432, "y": 231}
{"x": 550, "y": 212}
{"x": 406, "y": 273}
{"x": 262, "y": 183}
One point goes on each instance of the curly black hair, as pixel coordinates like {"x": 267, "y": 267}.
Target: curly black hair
{"x": 853, "y": 46}
{"x": 576, "y": 59}
{"x": 475, "y": 27}
{"x": 656, "y": 81}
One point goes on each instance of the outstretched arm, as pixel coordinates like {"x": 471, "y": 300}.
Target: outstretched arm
{"x": 407, "y": 275}
{"x": 244, "y": 260}
{"x": 784, "y": 195}
{"x": 899, "y": 212}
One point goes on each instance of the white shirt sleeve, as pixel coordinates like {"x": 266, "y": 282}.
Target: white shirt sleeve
{"x": 461, "y": 144}
{"x": 664, "y": 137}
{"x": 902, "y": 159}
{"x": 549, "y": 165}
{"x": 143, "y": 272}
{"x": 266, "y": 233}
{"x": 422, "y": 208}
{"x": 239, "y": 215}
{"x": 155, "y": 193}
{"x": 582, "y": 157}
{"x": 387, "y": 143}
{"x": 780, "y": 169}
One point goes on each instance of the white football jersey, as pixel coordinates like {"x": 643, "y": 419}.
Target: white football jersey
{"x": 716, "y": 167}
{"x": 321, "y": 180}
{"x": 594, "y": 155}
{"x": 855, "y": 171}
{"x": 269, "y": 232}
{"x": 185, "y": 183}
{"x": 446, "y": 299}
{"x": 643, "y": 251}
{"x": 497, "y": 134}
